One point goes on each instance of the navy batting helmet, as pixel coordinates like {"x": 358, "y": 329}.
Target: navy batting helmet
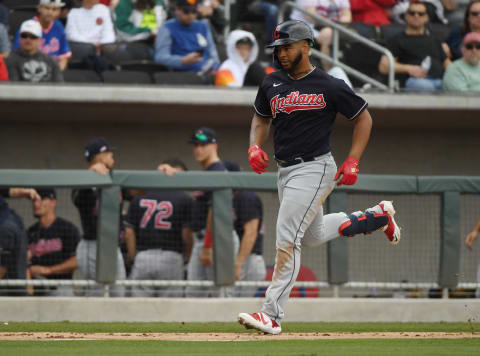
{"x": 291, "y": 31}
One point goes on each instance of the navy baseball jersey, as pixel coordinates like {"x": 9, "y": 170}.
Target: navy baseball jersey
{"x": 303, "y": 111}
{"x": 248, "y": 206}
{"x": 53, "y": 245}
{"x": 158, "y": 218}
{"x": 202, "y": 201}
{"x": 87, "y": 201}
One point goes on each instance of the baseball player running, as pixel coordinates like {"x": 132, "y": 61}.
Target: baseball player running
{"x": 302, "y": 102}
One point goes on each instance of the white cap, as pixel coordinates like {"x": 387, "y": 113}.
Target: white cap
{"x": 57, "y": 3}
{"x": 31, "y": 26}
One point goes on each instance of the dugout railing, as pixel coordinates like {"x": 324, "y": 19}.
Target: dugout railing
{"x": 436, "y": 213}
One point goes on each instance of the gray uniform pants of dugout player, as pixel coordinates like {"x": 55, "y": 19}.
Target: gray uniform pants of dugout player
{"x": 157, "y": 264}
{"x": 87, "y": 265}
{"x": 302, "y": 189}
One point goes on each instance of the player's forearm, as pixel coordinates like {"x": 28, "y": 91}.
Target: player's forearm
{"x": 65, "y": 267}
{"x": 249, "y": 237}
{"x": 476, "y": 228}
{"x": 361, "y": 134}
{"x": 130, "y": 243}
{"x": 187, "y": 236}
{"x": 259, "y": 130}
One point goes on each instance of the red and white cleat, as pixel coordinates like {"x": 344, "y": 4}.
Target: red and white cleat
{"x": 260, "y": 322}
{"x": 392, "y": 230}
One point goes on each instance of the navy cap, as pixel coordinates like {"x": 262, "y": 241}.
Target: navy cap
{"x": 96, "y": 146}
{"x": 204, "y": 135}
{"x": 187, "y": 4}
{"x": 47, "y": 193}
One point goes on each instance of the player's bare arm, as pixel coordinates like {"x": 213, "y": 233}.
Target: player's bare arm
{"x": 361, "y": 134}
{"x": 187, "y": 237}
{"x": 250, "y": 233}
{"x": 472, "y": 236}
{"x": 130, "y": 243}
{"x": 259, "y": 130}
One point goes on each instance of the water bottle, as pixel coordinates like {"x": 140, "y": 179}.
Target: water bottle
{"x": 426, "y": 63}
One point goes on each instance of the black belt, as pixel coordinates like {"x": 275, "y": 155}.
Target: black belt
{"x": 294, "y": 161}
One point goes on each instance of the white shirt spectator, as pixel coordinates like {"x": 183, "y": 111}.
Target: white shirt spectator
{"x": 90, "y": 25}
{"x": 327, "y": 8}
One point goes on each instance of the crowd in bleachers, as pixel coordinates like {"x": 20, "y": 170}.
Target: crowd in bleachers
{"x": 187, "y": 42}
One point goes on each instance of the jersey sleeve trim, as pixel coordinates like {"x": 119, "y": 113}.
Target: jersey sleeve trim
{"x": 259, "y": 113}
{"x": 364, "y": 106}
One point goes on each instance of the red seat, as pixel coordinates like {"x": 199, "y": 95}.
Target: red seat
{"x": 304, "y": 275}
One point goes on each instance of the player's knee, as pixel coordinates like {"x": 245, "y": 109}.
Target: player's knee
{"x": 362, "y": 223}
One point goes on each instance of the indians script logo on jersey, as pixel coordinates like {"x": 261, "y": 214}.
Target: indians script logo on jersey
{"x": 294, "y": 102}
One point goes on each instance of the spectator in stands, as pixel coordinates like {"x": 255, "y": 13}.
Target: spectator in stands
{"x": 186, "y": 44}
{"x": 335, "y": 10}
{"x": 464, "y": 73}
{"x": 214, "y": 12}
{"x": 91, "y": 34}
{"x": 52, "y": 242}
{"x": 13, "y": 240}
{"x": 371, "y": 12}
{"x": 4, "y": 42}
{"x": 420, "y": 58}
{"x": 112, "y": 4}
{"x": 471, "y": 237}
{"x": 471, "y": 23}
{"x": 266, "y": 8}
{"x": 99, "y": 155}
{"x": 435, "y": 10}
{"x": 28, "y": 63}
{"x": 3, "y": 15}
{"x": 242, "y": 51}
{"x": 3, "y": 70}
{"x": 54, "y": 40}
{"x": 159, "y": 237}
{"x": 139, "y": 20}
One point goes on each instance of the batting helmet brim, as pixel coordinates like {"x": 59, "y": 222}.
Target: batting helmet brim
{"x": 281, "y": 42}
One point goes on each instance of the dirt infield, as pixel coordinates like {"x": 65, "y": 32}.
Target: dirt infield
{"x": 230, "y": 336}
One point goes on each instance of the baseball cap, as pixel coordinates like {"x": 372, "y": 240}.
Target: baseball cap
{"x": 204, "y": 135}
{"x": 187, "y": 4}
{"x": 31, "y": 26}
{"x": 47, "y": 193}
{"x": 57, "y": 3}
{"x": 231, "y": 166}
{"x": 95, "y": 146}
{"x": 471, "y": 37}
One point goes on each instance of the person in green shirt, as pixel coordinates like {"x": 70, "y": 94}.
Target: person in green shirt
{"x": 464, "y": 73}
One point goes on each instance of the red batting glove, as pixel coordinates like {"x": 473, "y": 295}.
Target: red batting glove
{"x": 258, "y": 159}
{"x": 349, "y": 171}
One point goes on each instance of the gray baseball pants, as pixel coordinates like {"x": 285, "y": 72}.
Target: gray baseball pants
{"x": 157, "y": 264}
{"x": 87, "y": 265}
{"x": 302, "y": 189}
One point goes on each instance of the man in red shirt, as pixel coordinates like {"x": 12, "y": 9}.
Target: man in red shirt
{"x": 371, "y": 12}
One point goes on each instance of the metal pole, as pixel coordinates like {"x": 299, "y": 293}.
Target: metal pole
{"x": 335, "y": 47}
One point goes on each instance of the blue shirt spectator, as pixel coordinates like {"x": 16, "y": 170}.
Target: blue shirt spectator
{"x": 54, "y": 40}
{"x": 3, "y": 15}
{"x": 4, "y": 41}
{"x": 186, "y": 44}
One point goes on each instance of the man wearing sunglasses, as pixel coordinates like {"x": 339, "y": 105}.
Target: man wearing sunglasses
{"x": 420, "y": 58}
{"x": 28, "y": 63}
{"x": 464, "y": 73}
{"x": 186, "y": 44}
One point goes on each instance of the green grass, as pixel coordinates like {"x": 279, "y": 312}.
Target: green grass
{"x": 233, "y": 327}
{"x": 423, "y": 347}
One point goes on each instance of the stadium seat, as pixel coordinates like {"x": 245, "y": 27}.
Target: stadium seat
{"x": 178, "y": 78}
{"x": 15, "y": 4}
{"x": 145, "y": 66}
{"x": 391, "y": 30}
{"x": 364, "y": 30}
{"x": 305, "y": 274}
{"x": 126, "y": 77}
{"x": 17, "y": 17}
{"x": 367, "y": 63}
{"x": 81, "y": 76}
{"x": 440, "y": 31}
